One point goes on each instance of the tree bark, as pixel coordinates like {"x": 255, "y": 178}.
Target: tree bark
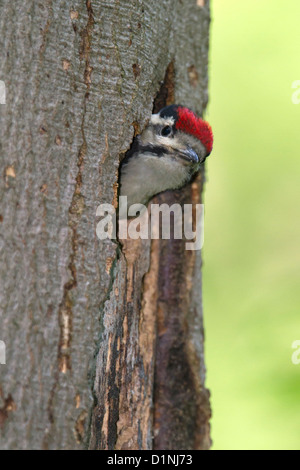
{"x": 104, "y": 339}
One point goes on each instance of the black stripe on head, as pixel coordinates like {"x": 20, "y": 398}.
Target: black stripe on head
{"x": 156, "y": 150}
{"x": 169, "y": 111}
{"x": 137, "y": 150}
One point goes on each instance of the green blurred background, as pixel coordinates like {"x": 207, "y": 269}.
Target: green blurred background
{"x": 252, "y": 225}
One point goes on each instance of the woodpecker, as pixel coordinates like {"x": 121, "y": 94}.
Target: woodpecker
{"x": 165, "y": 155}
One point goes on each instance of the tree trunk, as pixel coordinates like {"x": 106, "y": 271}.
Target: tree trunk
{"x": 104, "y": 339}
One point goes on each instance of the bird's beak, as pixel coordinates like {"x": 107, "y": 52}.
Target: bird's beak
{"x": 189, "y": 155}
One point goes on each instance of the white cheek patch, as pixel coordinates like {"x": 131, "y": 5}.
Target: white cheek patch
{"x": 156, "y": 119}
{"x": 168, "y": 141}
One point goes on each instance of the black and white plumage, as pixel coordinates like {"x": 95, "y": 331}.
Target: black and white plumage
{"x": 165, "y": 155}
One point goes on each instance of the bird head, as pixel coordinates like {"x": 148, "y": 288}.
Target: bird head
{"x": 177, "y": 134}
{"x": 166, "y": 154}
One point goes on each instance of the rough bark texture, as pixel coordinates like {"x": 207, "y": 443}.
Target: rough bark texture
{"x": 90, "y": 326}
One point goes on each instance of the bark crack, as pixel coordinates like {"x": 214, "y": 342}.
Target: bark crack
{"x": 75, "y": 212}
{"x": 76, "y": 209}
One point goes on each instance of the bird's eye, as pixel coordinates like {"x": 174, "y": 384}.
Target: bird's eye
{"x": 167, "y": 130}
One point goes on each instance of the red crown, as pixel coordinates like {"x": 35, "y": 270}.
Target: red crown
{"x": 191, "y": 124}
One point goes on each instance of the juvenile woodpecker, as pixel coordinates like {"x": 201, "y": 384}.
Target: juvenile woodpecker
{"x": 165, "y": 155}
